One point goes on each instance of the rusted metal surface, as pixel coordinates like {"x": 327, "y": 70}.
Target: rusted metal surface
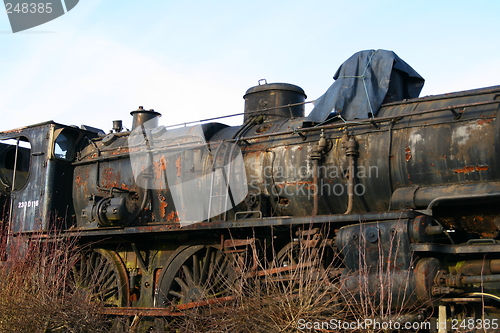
{"x": 491, "y": 247}
{"x": 211, "y": 301}
{"x": 277, "y": 270}
{"x": 478, "y": 267}
{"x": 238, "y": 242}
{"x": 400, "y": 114}
{"x": 407, "y": 154}
{"x": 412, "y": 198}
{"x": 381, "y": 251}
{"x": 468, "y": 169}
{"x": 163, "y": 205}
{"x": 484, "y": 226}
{"x": 177, "y": 311}
{"x": 141, "y": 311}
{"x": 276, "y": 156}
{"x": 248, "y": 223}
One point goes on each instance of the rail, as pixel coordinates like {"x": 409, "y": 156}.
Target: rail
{"x": 369, "y": 121}
{"x": 238, "y": 114}
{"x": 435, "y": 201}
{"x": 300, "y": 131}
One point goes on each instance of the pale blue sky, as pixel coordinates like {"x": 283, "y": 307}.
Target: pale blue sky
{"x": 195, "y": 59}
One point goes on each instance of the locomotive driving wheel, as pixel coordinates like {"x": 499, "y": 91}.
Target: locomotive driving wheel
{"x": 289, "y": 255}
{"x": 196, "y": 276}
{"x": 293, "y": 264}
{"x": 102, "y": 274}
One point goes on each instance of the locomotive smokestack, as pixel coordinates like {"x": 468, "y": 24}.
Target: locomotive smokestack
{"x": 141, "y": 117}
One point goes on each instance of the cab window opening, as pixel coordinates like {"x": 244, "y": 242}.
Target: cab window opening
{"x": 15, "y": 154}
{"x": 64, "y": 145}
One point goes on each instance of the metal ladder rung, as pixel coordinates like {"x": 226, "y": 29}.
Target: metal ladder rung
{"x": 226, "y": 177}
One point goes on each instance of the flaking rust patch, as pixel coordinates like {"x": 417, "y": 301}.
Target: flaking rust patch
{"x": 484, "y": 121}
{"x": 173, "y": 216}
{"x": 159, "y": 167}
{"x": 472, "y": 168}
{"x": 163, "y": 206}
{"x": 178, "y": 165}
{"x": 78, "y": 181}
{"x": 408, "y": 153}
{"x": 163, "y": 163}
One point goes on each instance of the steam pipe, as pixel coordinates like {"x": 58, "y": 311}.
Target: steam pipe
{"x": 148, "y": 177}
{"x": 316, "y": 156}
{"x": 316, "y": 188}
{"x": 479, "y": 267}
{"x": 350, "y": 185}
{"x": 480, "y": 279}
{"x": 351, "y": 152}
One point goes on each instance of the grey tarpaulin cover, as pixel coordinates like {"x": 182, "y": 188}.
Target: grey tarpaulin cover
{"x": 362, "y": 83}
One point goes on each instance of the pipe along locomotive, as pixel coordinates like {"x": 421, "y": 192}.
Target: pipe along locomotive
{"x": 415, "y": 184}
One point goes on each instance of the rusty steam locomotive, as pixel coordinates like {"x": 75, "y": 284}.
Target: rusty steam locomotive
{"x": 416, "y": 180}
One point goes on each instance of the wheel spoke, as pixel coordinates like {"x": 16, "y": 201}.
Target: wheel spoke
{"x": 75, "y": 277}
{"x": 86, "y": 265}
{"x": 104, "y": 277}
{"x": 176, "y": 294}
{"x": 206, "y": 266}
{"x": 91, "y": 268}
{"x": 188, "y": 277}
{"x": 110, "y": 292}
{"x": 181, "y": 284}
{"x": 220, "y": 270}
{"x": 196, "y": 269}
{"x": 211, "y": 268}
{"x": 110, "y": 281}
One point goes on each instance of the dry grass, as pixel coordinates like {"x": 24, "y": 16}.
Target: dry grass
{"x": 302, "y": 291}
{"x": 271, "y": 297}
{"x": 380, "y": 290}
{"x": 301, "y": 283}
{"x": 34, "y": 295}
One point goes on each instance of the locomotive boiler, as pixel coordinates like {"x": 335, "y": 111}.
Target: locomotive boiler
{"x": 374, "y": 174}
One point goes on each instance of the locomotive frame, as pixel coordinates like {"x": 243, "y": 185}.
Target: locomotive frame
{"x": 435, "y": 195}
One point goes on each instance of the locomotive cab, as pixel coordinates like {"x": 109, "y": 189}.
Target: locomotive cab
{"x": 35, "y": 168}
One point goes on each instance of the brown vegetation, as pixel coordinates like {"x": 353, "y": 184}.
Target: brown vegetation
{"x": 34, "y": 295}
{"x": 273, "y": 297}
{"x": 300, "y": 284}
